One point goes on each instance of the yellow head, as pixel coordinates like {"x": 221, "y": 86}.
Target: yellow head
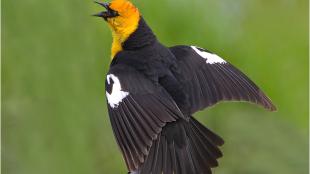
{"x": 123, "y": 18}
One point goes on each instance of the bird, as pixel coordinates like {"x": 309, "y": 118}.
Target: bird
{"x": 152, "y": 92}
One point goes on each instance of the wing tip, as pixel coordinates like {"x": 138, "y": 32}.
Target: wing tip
{"x": 267, "y": 103}
{"x": 272, "y": 108}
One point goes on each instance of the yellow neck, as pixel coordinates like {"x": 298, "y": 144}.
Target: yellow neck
{"x": 116, "y": 45}
{"x": 121, "y": 33}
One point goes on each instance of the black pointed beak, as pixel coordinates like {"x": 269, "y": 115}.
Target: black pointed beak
{"x": 102, "y": 14}
{"x": 106, "y": 14}
{"x": 103, "y": 4}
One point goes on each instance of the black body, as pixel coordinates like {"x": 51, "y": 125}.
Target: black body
{"x": 165, "y": 86}
{"x": 143, "y": 52}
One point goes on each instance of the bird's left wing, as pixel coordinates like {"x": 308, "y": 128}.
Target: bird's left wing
{"x": 138, "y": 111}
{"x": 208, "y": 79}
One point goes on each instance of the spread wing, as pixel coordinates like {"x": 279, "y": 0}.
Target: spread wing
{"x": 138, "y": 111}
{"x": 208, "y": 79}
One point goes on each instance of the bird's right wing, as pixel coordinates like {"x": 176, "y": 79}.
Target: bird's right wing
{"x": 138, "y": 111}
{"x": 208, "y": 79}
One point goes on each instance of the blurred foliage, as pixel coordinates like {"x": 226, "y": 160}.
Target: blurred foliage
{"x": 54, "y": 60}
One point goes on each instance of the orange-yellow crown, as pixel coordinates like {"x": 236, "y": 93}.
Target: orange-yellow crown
{"x": 124, "y": 7}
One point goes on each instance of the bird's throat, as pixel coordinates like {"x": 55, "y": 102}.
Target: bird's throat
{"x": 134, "y": 37}
{"x": 116, "y": 46}
{"x": 121, "y": 33}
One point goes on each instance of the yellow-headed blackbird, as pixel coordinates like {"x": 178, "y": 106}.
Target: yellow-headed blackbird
{"x": 153, "y": 90}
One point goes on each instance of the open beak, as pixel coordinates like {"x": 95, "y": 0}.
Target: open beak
{"x": 106, "y": 14}
{"x": 103, "y": 4}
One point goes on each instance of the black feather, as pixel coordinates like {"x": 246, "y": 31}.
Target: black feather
{"x": 208, "y": 84}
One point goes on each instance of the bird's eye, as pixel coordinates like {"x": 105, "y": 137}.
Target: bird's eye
{"x": 113, "y": 13}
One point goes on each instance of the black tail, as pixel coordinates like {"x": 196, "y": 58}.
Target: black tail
{"x": 183, "y": 148}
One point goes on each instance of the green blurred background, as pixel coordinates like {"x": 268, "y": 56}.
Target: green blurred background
{"x": 54, "y": 60}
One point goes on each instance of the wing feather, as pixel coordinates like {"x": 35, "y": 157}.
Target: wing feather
{"x": 208, "y": 79}
{"x": 138, "y": 112}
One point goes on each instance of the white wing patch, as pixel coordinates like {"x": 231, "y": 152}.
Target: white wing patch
{"x": 117, "y": 95}
{"x": 210, "y": 58}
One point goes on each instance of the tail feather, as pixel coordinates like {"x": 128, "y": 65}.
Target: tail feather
{"x": 183, "y": 148}
{"x": 214, "y": 138}
{"x": 205, "y": 145}
{"x": 208, "y": 140}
